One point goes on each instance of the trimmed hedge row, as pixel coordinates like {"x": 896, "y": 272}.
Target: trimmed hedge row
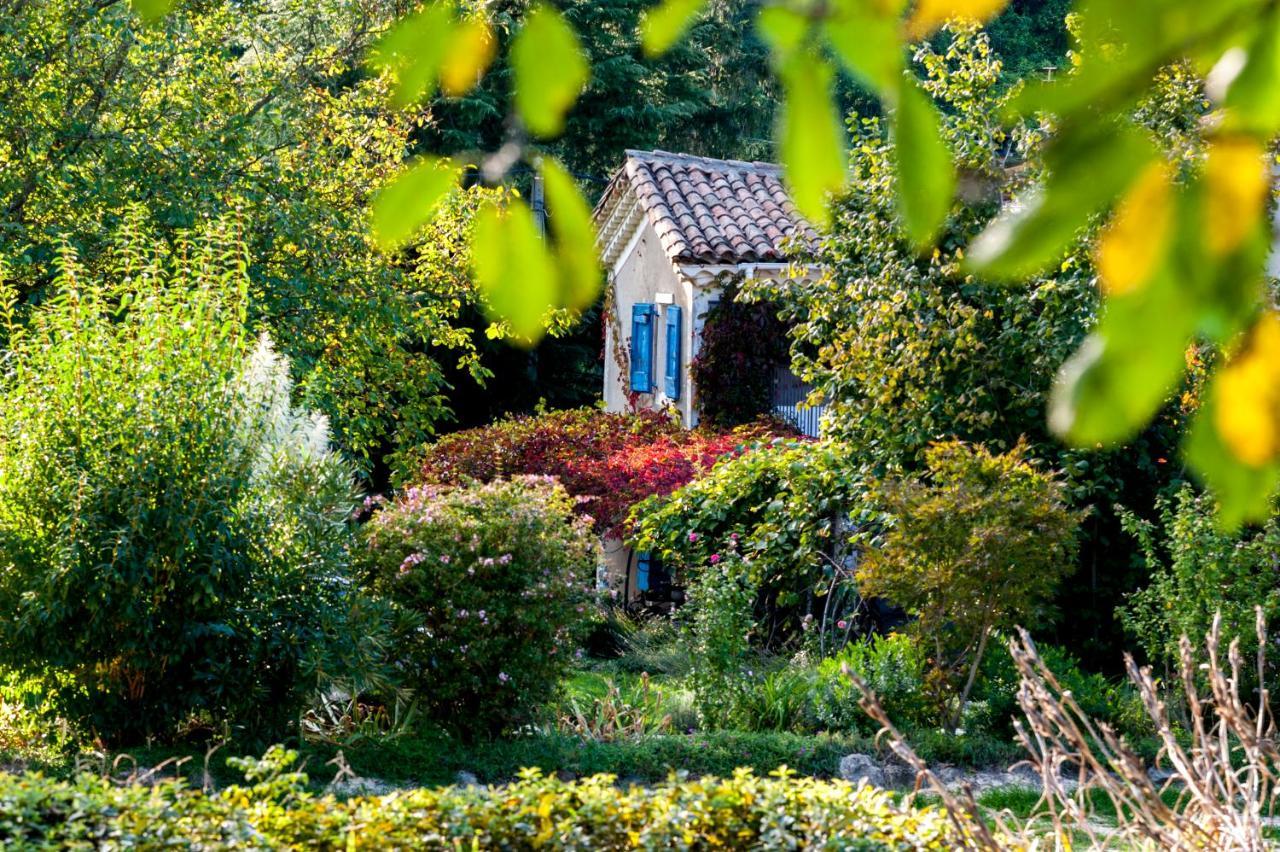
{"x": 536, "y": 812}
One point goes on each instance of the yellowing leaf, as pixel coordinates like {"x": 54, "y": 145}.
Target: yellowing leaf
{"x": 513, "y": 268}
{"x": 408, "y": 201}
{"x": 664, "y": 24}
{"x": 929, "y": 15}
{"x": 1247, "y": 412}
{"x": 468, "y": 55}
{"x": 812, "y": 138}
{"x": 1131, "y": 246}
{"x": 575, "y": 235}
{"x": 550, "y": 68}
{"x": 413, "y": 51}
{"x": 152, "y": 10}
{"x": 1235, "y": 176}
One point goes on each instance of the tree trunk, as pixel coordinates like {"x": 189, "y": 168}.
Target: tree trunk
{"x": 973, "y": 676}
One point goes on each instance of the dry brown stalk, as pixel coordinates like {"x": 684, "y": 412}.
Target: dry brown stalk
{"x": 1224, "y": 767}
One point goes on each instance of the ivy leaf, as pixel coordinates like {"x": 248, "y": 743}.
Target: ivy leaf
{"x": 575, "y": 235}
{"x": 926, "y": 179}
{"x": 152, "y": 10}
{"x": 514, "y": 269}
{"x": 414, "y": 50}
{"x": 930, "y": 15}
{"x": 550, "y": 69}
{"x": 664, "y": 24}
{"x": 467, "y": 57}
{"x": 405, "y": 204}
{"x": 1088, "y": 168}
{"x": 811, "y": 136}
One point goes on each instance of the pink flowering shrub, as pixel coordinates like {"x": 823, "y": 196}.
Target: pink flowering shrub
{"x": 493, "y": 585}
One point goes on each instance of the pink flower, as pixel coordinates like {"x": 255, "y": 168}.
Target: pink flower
{"x": 715, "y": 557}
{"x": 693, "y": 536}
{"x": 503, "y": 677}
{"x": 444, "y": 557}
{"x": 842, "y": 624}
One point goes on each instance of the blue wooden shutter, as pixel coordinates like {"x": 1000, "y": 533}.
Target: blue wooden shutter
{"x": 642, "y": 348}
{"x": 642, "y": 571}
{"x": 672, "y": 383}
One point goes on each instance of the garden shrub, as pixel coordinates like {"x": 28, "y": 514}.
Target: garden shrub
{"x": 720, "y": 638}
{"x": 795, "y": 509}
{"x": 493, "y": 584}
{"x": 173, "y": 534}
{"x": 610, "y": 461}
{"x": 978, "y": 543}
{"x": 1197, "y": 570}
{"x": 274, "y": 810}
{"x": 1102, "y": 698}
{"x": 893, "y": 666}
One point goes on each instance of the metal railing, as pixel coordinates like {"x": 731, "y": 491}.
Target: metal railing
{"x": 789, "y": 394}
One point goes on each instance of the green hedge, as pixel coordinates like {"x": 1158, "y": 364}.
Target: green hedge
{"x": 275, "y": 812}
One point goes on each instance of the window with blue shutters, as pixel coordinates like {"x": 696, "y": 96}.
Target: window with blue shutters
{"x": 671, "y": 385}
{"x": 643, "y": 561}
{"x": 642, "y": 322}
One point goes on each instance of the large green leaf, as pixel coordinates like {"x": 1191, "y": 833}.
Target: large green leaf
{"x": 1122, "y": 44}
{"x": 414, "y": 50}
{"x": 1089, "y": 167}
{"x": 1125, "y": 370}
{"x": 405, "y": 204}
{"x": 152, "y": 10}
{"x": 865, "y": 38}
{"x": 551, "y": 70}
{"x": 784, "y": 30}
{"x": 664, "y": 24}
{"x": 811, "y": 136}
{"x": 1253, "y": 97}
{"x": 926, "y": 178}
{"x": 575, "y": 235}
{"x": 514, "y": 269}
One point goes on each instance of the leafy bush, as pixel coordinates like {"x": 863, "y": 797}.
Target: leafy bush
{"x": 173, "y": 534}
{"x": 996, "y": 693}
{"x": 1198, "y": 570}
{"x": 493, "y": 582}
{"x": 609, "y": 461}
{"x": 893, "y": 666}
{"x": 978, "y": 544}
{"x": 720, "y": 639}
{"x": 274, "y": 810}
{"x": 793, "y": 508}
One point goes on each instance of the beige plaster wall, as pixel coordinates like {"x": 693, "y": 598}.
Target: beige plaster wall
{"x": 643, "y": 273}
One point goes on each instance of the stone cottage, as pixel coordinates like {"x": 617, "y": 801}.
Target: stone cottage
{"x": 673, "y": 228}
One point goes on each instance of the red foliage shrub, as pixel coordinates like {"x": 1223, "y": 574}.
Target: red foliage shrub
{"x": 609, "y": 462}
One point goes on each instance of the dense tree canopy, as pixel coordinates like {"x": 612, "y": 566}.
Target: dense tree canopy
{"x": 908, "y": 349}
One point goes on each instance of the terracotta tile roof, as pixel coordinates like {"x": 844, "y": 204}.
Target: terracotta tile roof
{"x": 711, "y": 211}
